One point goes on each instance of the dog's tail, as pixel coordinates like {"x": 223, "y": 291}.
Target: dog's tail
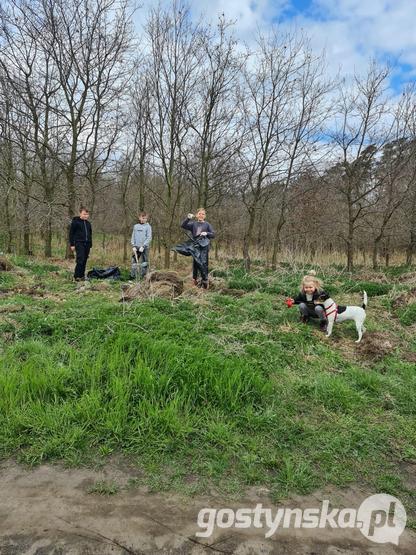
{"x": 365, "y": 300}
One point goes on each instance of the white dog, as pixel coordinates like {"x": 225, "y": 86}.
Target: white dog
{"x": 335, "y": 313}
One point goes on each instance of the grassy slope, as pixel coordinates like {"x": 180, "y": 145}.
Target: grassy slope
{"x": 230, "y": 391}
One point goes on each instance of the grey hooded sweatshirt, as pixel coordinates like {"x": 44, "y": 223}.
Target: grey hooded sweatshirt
{"x": 142, "y": 235}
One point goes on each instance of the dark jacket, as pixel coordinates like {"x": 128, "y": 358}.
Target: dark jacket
{"x": 301, "y": 298}
{"x": 197, "y": 228}
{"x": 80, "y": 231}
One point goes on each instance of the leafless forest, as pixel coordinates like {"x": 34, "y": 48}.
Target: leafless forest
{"x": 180, "y": 114}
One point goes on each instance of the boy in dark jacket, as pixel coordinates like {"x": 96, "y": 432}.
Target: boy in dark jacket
{"x": 202, "y": 231}
{"x": 80, "y": 241}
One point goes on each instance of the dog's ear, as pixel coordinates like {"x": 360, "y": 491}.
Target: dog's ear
{"x": 324, "y": 296}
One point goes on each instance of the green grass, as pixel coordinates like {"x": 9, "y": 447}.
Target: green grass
{"x": 102, "y": 487}
{"x": 407, "y": 315}
{"x": 233, "y": 392}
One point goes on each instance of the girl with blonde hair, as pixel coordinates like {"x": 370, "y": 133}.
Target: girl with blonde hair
{"x": 310, "y": 290}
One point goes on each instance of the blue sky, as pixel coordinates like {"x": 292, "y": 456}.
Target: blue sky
{"x": 351, "y": 31}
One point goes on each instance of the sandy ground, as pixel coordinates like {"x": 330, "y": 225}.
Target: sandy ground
{"x": 49, "y": 510}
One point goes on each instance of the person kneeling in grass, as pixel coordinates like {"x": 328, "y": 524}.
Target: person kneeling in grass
{"x": 310, "y": 291}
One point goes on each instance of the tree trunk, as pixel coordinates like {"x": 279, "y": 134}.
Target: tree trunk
{"x": 387, "y": 254}
{"x": 376, "y": 248}
{"x": 141, "y": 185}
{"x": 26, "y": 238}
{"x": 247, "y": 240}
{"x": 350, "y": 245}
{"x": 26, "y": 209}
{"x": 9, "y": 241}
{"x": 277, "y": 242}
{"x": 48, "y": 236}
{"x": 411, "y": 247}
{"x": 350, "y": 257}
{"x": 125, "y": 243}
{"x": 167, "y": 258}
{"x": 71, "y": 206}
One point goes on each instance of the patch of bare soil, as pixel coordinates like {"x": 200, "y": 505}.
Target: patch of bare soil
{"x": 48, "y": 511}
{"x": 375, "y": 345}
{"x": 36, "y": 291}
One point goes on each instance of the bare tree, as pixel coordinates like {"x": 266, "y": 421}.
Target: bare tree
{"x": 358, "y": 136}
{"x": 88, "y": 41}
{"x": 408, "y": 113}
{"x": 307, "y": 112}
{"x": 29, "y": 73}
{"x": 141, "y": 107}
{"x": 279, "y": 76}
{"x": 174, "y": 64}
{"x": 395, "y": 173}
{"x": 7, "y": 165}
{"x": 215, "y": 136}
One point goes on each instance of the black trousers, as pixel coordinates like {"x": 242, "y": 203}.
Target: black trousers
{"x": 82, "y": 250}
{"x": 204, "y": 266}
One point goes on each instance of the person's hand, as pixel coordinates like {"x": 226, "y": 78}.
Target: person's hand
{"x": 72, "y": 247}
{"x": 134, "y": 249}
{"x": 289, "y": 302}
{"x": 141, "y": 249}
{"x": 204, "y": 233}
{"x": 190, "y": 216}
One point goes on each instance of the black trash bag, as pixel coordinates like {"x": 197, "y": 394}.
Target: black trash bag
{"x": 190, "y": 248}
{"x": 113, "y": 272}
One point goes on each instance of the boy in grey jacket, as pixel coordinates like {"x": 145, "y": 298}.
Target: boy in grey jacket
{"x": 140, "y": 242}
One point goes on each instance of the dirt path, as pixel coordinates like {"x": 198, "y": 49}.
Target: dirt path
{"x": 48, "y": 511}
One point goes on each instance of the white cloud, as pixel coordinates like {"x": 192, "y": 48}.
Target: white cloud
{"x": 356, "y": 30}
{"x": 351, "y": 31}
{"x": 248, "y": 15}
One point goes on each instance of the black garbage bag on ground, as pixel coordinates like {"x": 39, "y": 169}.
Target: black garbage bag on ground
{"x": 113, "y": 272}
